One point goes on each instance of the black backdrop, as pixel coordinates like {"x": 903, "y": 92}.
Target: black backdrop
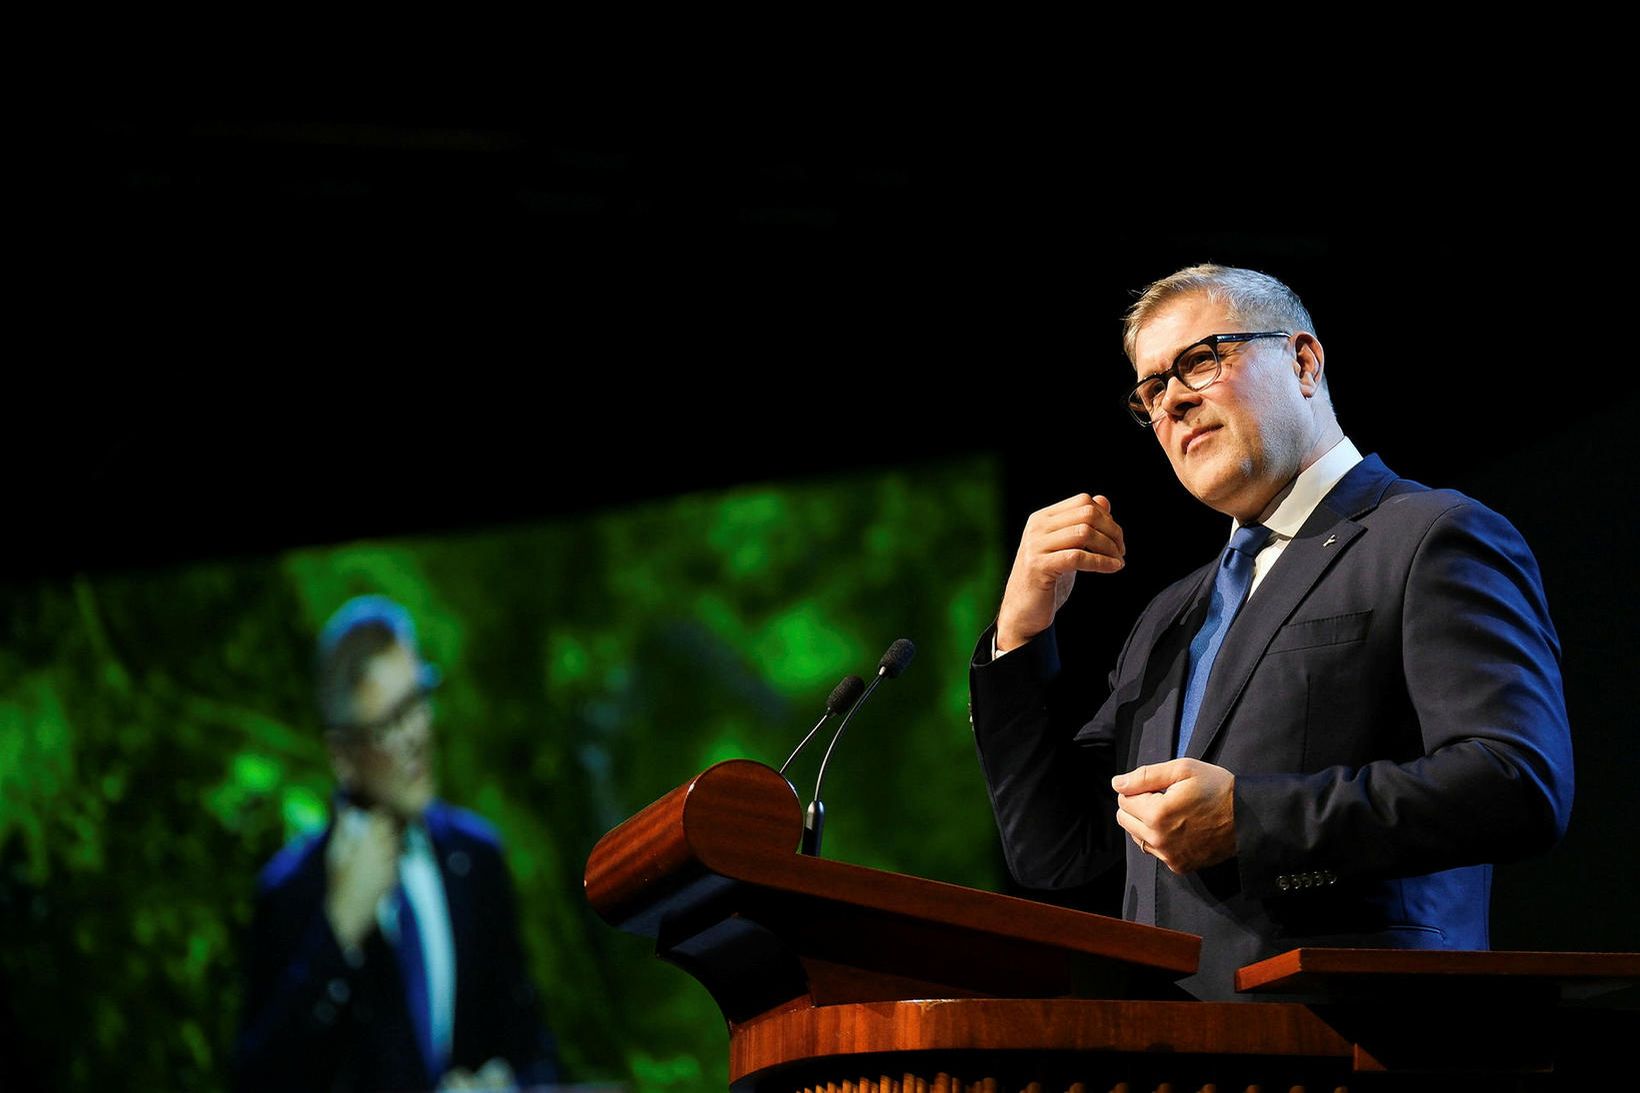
{"x": 275, "y": 328}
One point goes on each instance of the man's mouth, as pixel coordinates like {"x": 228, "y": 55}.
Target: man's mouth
{"x": 1194, "y": 435}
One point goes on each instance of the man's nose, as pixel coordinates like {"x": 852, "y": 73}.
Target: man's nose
{"x": 1177, "y": 398}
{"x": 416, "y": 731}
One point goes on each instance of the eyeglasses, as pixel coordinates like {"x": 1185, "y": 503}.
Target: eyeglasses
{"x": 414, "y": 710}
{"x": 1197, "y": 367}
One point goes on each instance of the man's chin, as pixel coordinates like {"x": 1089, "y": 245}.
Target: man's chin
{"x": 1210, "y": 490}
{"x": 411, "y": 804}
{"x": 1222, "y": 486}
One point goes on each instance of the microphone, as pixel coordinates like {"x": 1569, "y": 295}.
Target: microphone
{"x": 843, "y": 697}
{"x": 894, "y": 661}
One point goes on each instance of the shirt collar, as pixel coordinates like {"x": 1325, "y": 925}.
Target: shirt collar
{"x": 1293, "y": 505}
{"x": 416, "y": 842}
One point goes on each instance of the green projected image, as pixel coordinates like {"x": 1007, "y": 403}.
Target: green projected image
{"x": 159, "y": 743}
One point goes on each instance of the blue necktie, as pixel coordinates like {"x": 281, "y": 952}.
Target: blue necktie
{"x": 1230, "y": 587}
{"x": 413, "y": 968}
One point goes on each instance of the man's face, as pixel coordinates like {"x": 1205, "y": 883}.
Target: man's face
{"x": 388, "y": 760}
{"x": 1236, "y": 444}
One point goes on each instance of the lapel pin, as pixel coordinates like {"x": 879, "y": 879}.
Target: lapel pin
{"x": 1331, "y": 539}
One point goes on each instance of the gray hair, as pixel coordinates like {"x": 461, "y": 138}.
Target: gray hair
{"x": 1255, "y": 299}
{"x": 344, "y": 664}
{"x": 362, "y": 629}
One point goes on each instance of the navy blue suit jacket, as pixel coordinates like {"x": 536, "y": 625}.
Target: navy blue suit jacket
{"x": 312, "y": 1021}
{"x": 1389, "y": 700}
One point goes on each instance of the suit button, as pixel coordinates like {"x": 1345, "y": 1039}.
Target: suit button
{"x": 324, "y": 1013}
{"x": 459, "y": 863}
{"x": 338, "y": 991}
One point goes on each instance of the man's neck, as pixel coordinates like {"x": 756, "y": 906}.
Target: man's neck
{"x": 1288, "y": 510}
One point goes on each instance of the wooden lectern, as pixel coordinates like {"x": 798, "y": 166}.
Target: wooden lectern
{"x": 835, "y": 977}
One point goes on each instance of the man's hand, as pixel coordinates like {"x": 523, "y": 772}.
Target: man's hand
{"x": 362, "y": 865}
{"x": 1182, "y": 812}
{"x": 1073, "y": 536}
{"x": 495, "y": 1076}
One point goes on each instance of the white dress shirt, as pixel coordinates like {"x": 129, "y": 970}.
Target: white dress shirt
{"x": 1287, "y": 513}
{"x": 424, "y": 888}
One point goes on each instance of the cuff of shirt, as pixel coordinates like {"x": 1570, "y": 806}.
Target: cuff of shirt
{"x": 1036, "y": 661}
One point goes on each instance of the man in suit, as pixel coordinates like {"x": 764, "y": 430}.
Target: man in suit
{"x": 1324, "y": 736}
{"x": 385, "y": 950}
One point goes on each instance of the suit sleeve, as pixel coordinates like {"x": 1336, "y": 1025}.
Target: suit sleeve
{"x": 300, "y": 985}
{"x": 1481, "y": 664}
{"x": 1051, "y": 796}
{"x": 514, "y": 1020}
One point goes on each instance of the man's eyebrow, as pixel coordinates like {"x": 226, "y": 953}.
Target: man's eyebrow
{"x": 1165, "y": 369}
{"x": 1172, "y": 359}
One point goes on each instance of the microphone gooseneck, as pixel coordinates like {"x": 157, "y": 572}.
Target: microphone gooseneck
{"x": 843, "y": 698}
{"x": 893, "y": 662}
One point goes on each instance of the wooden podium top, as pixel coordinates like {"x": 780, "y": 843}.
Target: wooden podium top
{"x": 821, "y": 968}
{"x": 1338, "y": 973}
{"x": 718, "y": 856}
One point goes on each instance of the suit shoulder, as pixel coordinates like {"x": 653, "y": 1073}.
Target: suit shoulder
{"x": 1448, "y": 532}
{"x": 456, "y": 824}
{"x": 297, "y": 857}
{"x": 1415, "y": 504}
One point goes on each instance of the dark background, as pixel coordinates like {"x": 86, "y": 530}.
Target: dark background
{"x": 528, "y": 319}
{"x": 273, "y": 329}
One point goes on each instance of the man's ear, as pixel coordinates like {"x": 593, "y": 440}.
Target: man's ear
{"x": 1309, "y": 362}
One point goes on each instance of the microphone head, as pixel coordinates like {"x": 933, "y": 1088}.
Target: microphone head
{"x": 897, "y": 659}
{"x": 845, "y": 695}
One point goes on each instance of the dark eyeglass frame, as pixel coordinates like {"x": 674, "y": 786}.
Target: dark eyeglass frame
{"x": 1136, "y": 405}
{"x": 377, "y": 733}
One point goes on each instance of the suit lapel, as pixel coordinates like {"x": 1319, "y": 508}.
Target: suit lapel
{"x": 1156, "y": 742}
{"x": 1163, "y": 676}
{"x": 455, "y": 869}
{"x": 1148, "y": 690}
{"x": 1328, "y": 532}
{"x": 1161, "y": 727}
{"x": 1294, "y": 574}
